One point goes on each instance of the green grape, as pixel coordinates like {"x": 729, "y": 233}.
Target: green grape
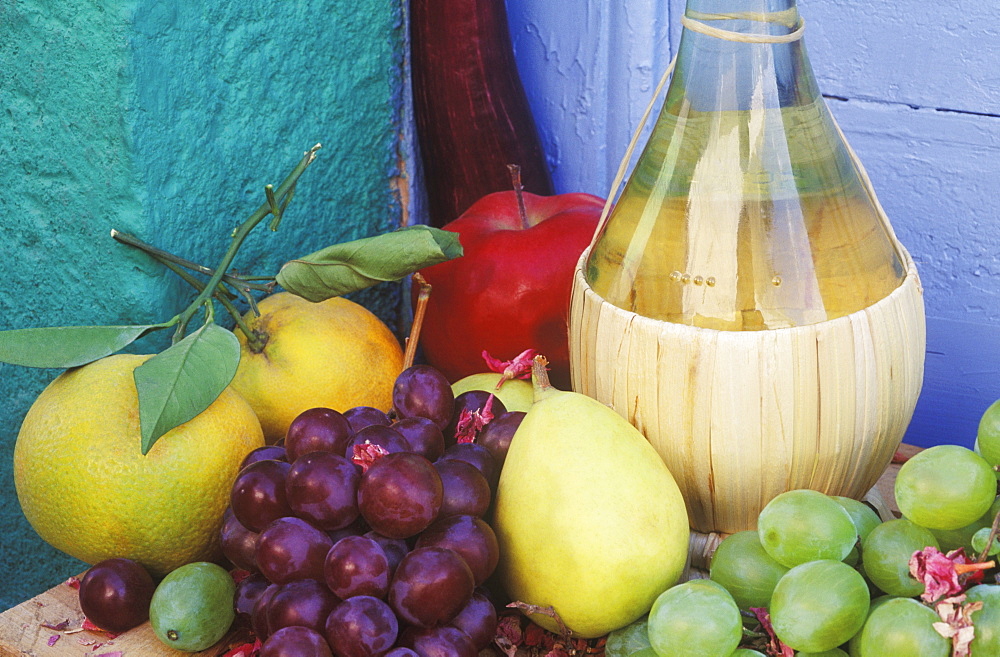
{"x": 952, "y": 539}
{"x": 986, "y": 620}
{"x": 852, "y": 646}
{"x": 902, "y": 626}
{"x": 833, "y": 652}
{"x": 945, "y": 487}
{"x": 805, "y": 525}
{"x": 988, "y": 436}
{"x": 864, "y": 517}
{"x": 695, "y": 619}
{"x": 747, "y": 652}
{"x": 742, "y": 566}
{"x": 885, "y": 556}
{"x": 819, "y": 605}
{"x": 979, "y": 542}
{"x": 629, "y": 640}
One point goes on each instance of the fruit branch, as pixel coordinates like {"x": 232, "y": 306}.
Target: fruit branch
{"x": 221, "y": 294}
{"x": 165, "y": 257}
{"x": 275, "y": 204}
{"x": 994, "y": 530}
{"x": 239, "y": 235}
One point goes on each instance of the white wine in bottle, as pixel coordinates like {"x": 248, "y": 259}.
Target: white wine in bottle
{"x": 745, "y": 211}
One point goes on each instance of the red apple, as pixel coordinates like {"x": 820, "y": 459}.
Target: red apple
{"x": 511, "y": 289}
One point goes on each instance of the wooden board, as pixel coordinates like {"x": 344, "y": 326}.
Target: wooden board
{"x": 22, "y": 631}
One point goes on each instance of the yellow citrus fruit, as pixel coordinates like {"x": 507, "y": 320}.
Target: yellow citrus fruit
{"x": 87, "y": 489}
{"x": 333, "y": 354}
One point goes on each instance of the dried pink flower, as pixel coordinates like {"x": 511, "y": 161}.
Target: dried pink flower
{"x": 945, "y": 575}
{"x": 518, "y": 368}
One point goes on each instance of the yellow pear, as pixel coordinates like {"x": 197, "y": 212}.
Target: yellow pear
{"x": 589, "y": 519}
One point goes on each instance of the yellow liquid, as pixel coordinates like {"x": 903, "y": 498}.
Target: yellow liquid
{"x": 740, "y": 221}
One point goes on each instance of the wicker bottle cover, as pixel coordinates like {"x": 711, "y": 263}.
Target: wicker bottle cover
{"x": 747, "y": 304}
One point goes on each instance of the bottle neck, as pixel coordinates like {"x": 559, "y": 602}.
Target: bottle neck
{"x": 771, "y": 17}
{"x": 735, "y": 55}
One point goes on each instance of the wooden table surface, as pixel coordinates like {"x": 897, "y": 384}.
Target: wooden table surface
{"x": 23, "y": 628}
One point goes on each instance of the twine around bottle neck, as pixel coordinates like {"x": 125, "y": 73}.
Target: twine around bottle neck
{"x": 696, "y": 22}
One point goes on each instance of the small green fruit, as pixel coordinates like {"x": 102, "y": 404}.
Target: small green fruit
{"x": 515, "y": 394}
{"x": 192, "y": 608}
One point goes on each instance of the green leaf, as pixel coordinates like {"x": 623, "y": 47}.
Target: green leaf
{"x": 351, "y": 266}
{"x": 182, "y": 381}
{"x": 67, "y": 346}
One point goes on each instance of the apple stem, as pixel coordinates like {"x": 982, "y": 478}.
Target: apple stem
{"x": 418, "y": 320}
{"x": 515, "y": 178}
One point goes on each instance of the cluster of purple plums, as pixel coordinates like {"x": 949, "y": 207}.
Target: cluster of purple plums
{"x": 364, "y": 532}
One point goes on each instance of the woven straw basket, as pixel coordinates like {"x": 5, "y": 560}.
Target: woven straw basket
{"x": 741, "y": 416}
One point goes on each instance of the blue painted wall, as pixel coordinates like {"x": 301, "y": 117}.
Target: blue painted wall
{"x": 166, "y": 120}
{"x": 915, "y": 86}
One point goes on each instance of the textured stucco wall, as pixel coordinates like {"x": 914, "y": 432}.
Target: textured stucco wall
{"x": 166, "y": 120}
{"x": 915, "y": 86}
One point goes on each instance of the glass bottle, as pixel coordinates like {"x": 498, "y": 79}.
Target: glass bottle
{"x": 746, "y": 209}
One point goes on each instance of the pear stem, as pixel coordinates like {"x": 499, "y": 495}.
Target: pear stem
{"x": 540, "y": 376}
{"x": 550, "y": 611}
{"x": 515, "y": 179}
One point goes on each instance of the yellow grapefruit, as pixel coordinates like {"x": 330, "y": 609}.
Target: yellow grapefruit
{"x": 86, "y": 488}
{"x": 333, "y": 354}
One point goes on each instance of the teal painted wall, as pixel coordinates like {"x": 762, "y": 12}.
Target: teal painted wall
{"x": 166, "y": 120}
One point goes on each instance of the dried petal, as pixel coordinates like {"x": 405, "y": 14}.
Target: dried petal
{"x": 956, "y": 615}
{"x": 58, "y": 627}
{"x": 534, "y": 635}
{"x": 367, "y": 453}
{"x": 116, "y": 653}
{"x": 518, "y": 368}
{"x": 774, "y": 646}
{"x": 90, "y": 627}
{"x": 73, "y": 583}
{"x": 470, "y": 423}
{"x": 508, "y": 635}
{"x": 244, "y": 650}
{"x": 52, "y": 640}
